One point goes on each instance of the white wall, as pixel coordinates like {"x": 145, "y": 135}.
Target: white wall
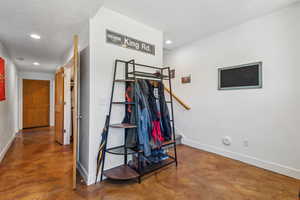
{"x": 67, "y": 106}
{"x": 102, "y": 57}
{"x": 269, "y": 117}
{"x": 36, "y": 76}
{"x": 9, "y": 107}
{"x": 83, "y": 140}
{"x": 83, "y": 43}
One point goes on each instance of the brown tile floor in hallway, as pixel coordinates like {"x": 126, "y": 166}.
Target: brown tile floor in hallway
{"x": 36, "y": 168}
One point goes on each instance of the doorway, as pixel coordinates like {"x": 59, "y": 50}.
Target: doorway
{"x": 36, "y": 103}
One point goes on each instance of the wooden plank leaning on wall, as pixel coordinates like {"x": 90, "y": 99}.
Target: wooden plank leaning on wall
{"x": 178, "y": 99}
{"x": 75, "y": 107}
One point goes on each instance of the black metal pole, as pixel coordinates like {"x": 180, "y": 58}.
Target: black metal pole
{"x": 126, "y": 107}
{"x": 136, "y": 120}
{"x": 172, "y": 110}
{"x": 109, "y": 115}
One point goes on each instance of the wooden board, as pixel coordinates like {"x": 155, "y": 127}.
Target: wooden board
{"x": 124, "y": 125}
{"x": 123, "y": 172}
{"x": 75, "y": 107}
{"x": 59, "y": 106}
{"x": 36, "y": 103}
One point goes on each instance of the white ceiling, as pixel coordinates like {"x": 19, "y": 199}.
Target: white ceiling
{"x": 186, "y": 21}
{"x": 55, "y": 20}
{"x": 58, "y": 20}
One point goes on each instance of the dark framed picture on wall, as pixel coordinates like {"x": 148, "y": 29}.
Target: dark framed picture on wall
{"x": 186, "y": 79}
{"x": 246, "y": 76}
{"x": 2, "y": 79}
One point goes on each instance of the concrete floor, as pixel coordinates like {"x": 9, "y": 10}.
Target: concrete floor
{"x": 37, "y": 168}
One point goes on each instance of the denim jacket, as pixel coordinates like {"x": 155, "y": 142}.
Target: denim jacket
{"x": 144, "y": 122}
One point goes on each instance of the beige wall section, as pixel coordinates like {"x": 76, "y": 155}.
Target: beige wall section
{"x": 9, "y": 107}
{"x": 102, "y": 57}
{"x": 268, "y": 118}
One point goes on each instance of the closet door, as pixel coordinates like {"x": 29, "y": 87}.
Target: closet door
{"x": 36, "y": 103}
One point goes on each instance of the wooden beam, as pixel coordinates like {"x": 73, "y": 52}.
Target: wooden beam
{"x": 178, "y": 99}
{"x": 75, "y": 111}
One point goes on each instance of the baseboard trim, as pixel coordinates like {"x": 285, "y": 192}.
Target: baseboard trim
{"x": 271, "y": 166}
{"x": 6, "y": 148}
{"x": 83, "y": 172}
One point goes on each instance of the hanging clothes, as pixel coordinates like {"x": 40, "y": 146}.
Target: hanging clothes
{"x": 130, "y": 134}
{"x": 143, "y": 121}
{"x": 129, "y": 98}
{"x": 165, "y": 115}
{"x": 156, "y": 133}
{"x": 155, "y": 115}
{"x": 151, "y": 116}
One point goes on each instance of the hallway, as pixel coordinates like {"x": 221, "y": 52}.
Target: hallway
{"x": 37, "y": 168}
{"x": 124, "y": 90}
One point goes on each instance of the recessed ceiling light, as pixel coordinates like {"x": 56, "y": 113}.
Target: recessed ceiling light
{"x": 35, "y": 36}
{"x": 36, "y": 63}
{"x": 169, "y": 42}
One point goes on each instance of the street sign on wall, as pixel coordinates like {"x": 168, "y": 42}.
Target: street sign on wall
{"x": 128, "y": 42}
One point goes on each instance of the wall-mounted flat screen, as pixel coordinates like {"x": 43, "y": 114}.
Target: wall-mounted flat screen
{"x": 245, "y": 76}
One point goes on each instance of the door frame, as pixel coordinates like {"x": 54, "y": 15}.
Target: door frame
{"x": 35, "y": 76}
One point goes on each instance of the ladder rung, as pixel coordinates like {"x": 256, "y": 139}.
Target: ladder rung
{"x": 169, "y": 143}
{"x": 127, "y": 103}
{"x": 123, "y": 125}
{"x": 149, "y": 75}
{"x": 124, "y": 80}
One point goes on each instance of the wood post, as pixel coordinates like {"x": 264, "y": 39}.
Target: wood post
{"x": 75, "y": 110}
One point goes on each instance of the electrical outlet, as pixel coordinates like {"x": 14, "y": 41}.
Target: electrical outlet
{"x": 226, "y": 141}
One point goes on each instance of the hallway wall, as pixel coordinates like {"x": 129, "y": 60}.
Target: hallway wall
{"x": 36, "y": 76}
{"x": 84, "y": 94}
{"x": 102, "y": 58}
{"x": 263, "y": 123}
{"x": 9, "y": 107}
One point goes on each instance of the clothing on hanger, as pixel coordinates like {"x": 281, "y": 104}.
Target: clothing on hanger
{"x": 153, "y": 118}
